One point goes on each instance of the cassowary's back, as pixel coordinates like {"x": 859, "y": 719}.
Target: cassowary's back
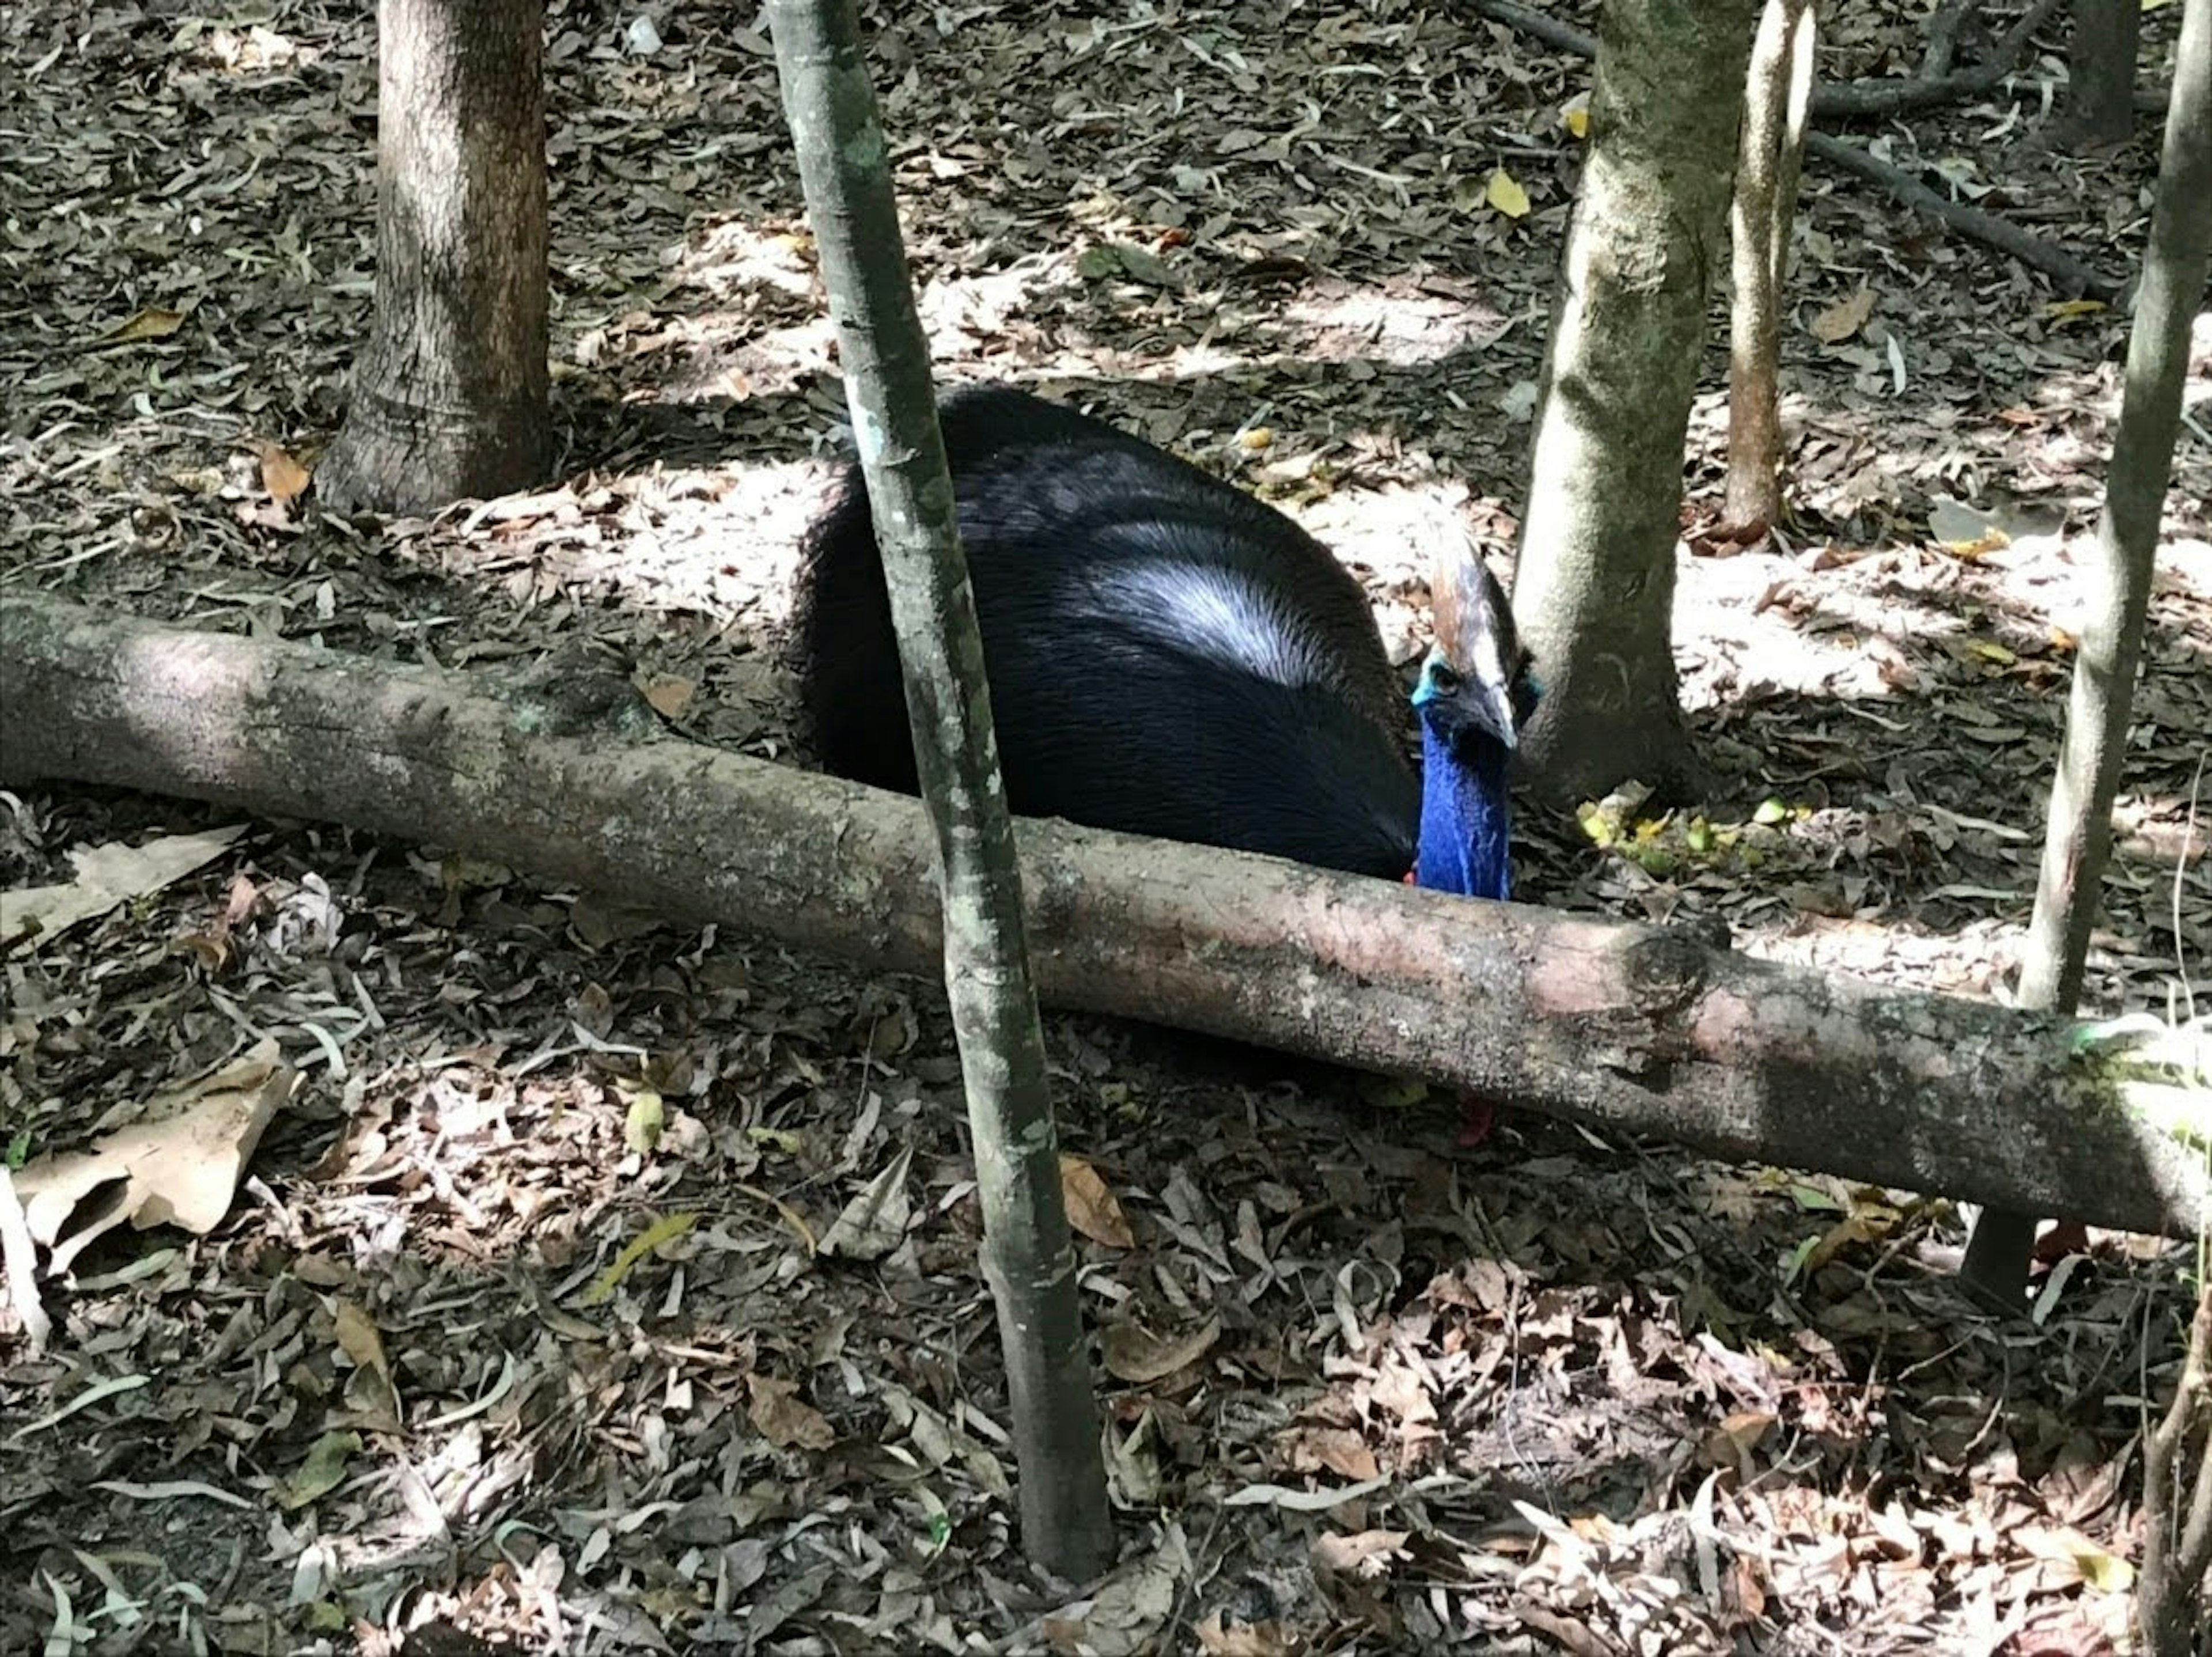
{"x": 1168, "y": 656}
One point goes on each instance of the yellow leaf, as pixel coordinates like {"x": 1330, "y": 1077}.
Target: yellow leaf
{"x": 1991, "y": 652}
{"x": 1506, "y": 195}
{"x": 791, "y": 1216}
{"x": 2066, "y": 1546}
{"x": 2062, "y": 639}
{"x": 1575, "y": 116}
{"x": 2070, "y": 310}
{"x": 660, "y": 1231}
{"x": 1092, "y": 1207}
{"x": 155, "y": 322}
{"x": 643, "y": 1124}
{"x": 358, "y": 1334}
{"x": 1257, "y": 437}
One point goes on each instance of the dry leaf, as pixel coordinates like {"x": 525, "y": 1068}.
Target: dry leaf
{"x": 283, "y": 478}
{"x": 107, "y": 875}
{"x": 1092, "y": 1208}
{"x": 370, "y": 1391}
{"x": 872, "y": 1223}
{"x": 1359, "y": 1553}
{"x": 784, "y": 1419}
{"x": 1505, "y": 194}
{"x": 1135, "y": 1354}
{"x": 153, "y": 322}
{"x": 670, "y": 695}
{"x": 1271, "y": 1637}
{"x": 179, "y": 1165}
{"x": 1844, "y": 319}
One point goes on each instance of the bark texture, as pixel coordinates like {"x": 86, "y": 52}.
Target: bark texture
{"x": 1595, "y": 590}
{"x": 2100, "y": 73}
{"x": 1769, "y": 157}
{"x": 1029, "y": 1257}
{"x": 1619, "y": 1027}
{"x": 450, "y": 397}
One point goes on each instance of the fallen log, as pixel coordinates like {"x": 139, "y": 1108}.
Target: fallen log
{"x": 1617, "y": 1026}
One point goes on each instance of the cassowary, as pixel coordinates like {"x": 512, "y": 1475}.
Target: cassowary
{"x": 1168, "y": 656}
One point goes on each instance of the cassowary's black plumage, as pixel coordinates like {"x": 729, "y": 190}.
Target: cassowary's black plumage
{"x": 1168, "y": 656}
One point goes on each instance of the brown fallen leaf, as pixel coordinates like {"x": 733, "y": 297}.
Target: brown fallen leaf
{"x": 153, "y": 322}
{"x": 370, "y": 1391}
{"x": 179, "y": 1165}
{"x": 284, "y": 479}
{"x": 1133, "y": 1353}
{"x": 670, "y": 695}
{"x": 784, "y": 1419}
{"x": 107, "y": 875}
{"x": 1092, "y": 1208}
{"x": 873, "y": 1223}
{"x": 1844, "y": 319}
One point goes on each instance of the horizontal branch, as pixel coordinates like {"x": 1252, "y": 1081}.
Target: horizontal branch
{"x": 1861, "y": 98}
{"x": 1617, "y": 1026}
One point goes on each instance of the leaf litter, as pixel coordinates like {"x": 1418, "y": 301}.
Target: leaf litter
{"x": 609, "y": 1285}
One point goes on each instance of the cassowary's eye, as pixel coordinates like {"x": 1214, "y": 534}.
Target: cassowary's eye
{"x": 1442, "y": 679}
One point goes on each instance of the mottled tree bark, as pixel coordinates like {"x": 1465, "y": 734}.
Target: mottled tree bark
{"x": 1620, "y": 1027}
{"x": 1029, "y": 1256}
{"x": 2078, "y": 837}
{"x": 1769, "y": 156}
{"x": 1595, "y": 590}
{"x": 450, "y": 394}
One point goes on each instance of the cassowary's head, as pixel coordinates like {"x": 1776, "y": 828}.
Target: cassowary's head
{"x": 1475, "y": 694}
{"x": 1476, "y": 688}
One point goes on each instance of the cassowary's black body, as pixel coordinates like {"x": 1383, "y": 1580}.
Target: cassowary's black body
{"x": 1168, "y": 656}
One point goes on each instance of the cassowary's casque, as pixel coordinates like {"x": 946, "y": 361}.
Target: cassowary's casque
{"x": 1168, "y": 656}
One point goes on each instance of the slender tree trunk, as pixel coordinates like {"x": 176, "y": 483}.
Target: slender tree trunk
{"x": 2100, "y": 73}
{"x": 2078, "y": 837}
{"x": 2170, "y": 1612}
{"x": 1029, "y": 1257}
{"x": 450, "y": 394}
{"x": 1769, "y": 159}
{"x": 1595, "y": 590}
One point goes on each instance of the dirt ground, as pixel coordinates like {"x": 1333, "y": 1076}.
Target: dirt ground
{"x": 1367, "y": 1390}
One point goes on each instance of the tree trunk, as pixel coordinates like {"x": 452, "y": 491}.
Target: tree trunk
{"x": 1595, "y": 590}
{"x": 2100, "y": 74}
{"x": 2170, "y": 1616}
{"x": 1619, "y": 1027}
{"x": 450, "y": 394}
{"x": 2077, "y": 839}
{"x": 1769, "y": 157}
{"x": 1029, "y": 1256}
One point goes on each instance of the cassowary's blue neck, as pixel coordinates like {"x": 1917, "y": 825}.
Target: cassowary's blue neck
{"x": 1465, "y": 826}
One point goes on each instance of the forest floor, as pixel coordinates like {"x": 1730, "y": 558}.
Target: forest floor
{"x": 1367, "y": 1390}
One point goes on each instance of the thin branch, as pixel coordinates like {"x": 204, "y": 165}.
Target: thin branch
{"x": 2030, "y": 250}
